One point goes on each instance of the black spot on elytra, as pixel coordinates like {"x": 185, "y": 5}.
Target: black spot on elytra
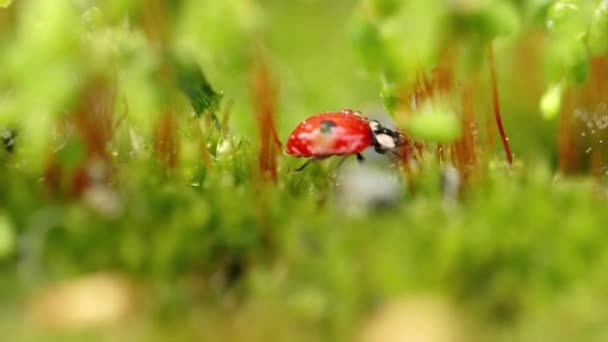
{"x": 327, "y": 126}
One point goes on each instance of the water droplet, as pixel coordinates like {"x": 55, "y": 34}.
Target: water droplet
{"x": 581, "y": 114}
{"x": 588, "y": 150}
{"x": 592, "y": 131}
{"x": 507, "y": 138}
{"x": 601, "y": 141}
{"x": 195, "y": 184}
{"x": 474, "y": 129}
{"x": 583, "y": 134}
{"x": 602, "y": 122}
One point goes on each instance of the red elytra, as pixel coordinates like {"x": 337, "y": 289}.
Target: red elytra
{"x": 331, "y": 133}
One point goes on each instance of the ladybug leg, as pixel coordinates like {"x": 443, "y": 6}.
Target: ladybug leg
{"x": 310, "y": 160}
{"x": 341, "y": 162}
{"x": 360, "y": 158}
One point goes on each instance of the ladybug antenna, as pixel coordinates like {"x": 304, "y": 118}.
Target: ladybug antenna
{"x": 402, "y": 139}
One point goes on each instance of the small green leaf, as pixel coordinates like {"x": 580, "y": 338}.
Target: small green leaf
{"x": 194, "y": 84}
{"x": 551, "y": 101}
{"x": 577, "y": 62}
{"x": 433, "y": 123}
{"x": 567, "y": 57}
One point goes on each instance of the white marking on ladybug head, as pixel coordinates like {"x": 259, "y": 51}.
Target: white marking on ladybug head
{"x": 386, "y": 141}
{"x": 374, "y": 125}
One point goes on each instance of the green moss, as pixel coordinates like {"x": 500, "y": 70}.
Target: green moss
{"x": 218, "y": 253}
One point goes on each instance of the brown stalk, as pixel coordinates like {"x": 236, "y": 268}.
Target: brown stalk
{"x": 155, "y": 24}
{"x": 467, "y": 140}
{"x": 440, "y": 153}
{"x": 496, "y": 105}
{"x": 270, "y": 144}
{"x": 165, "y": 140}
{"x": 568, "y": 154}
{"x": 598, "y": 97}
{"x": 8, "y": 18}
{"x": 94, "y": 125}
{"x": 579, "y": 132}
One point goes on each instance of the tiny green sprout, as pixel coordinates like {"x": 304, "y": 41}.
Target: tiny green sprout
{"x": 551, "y": 101}
{"x": 193, "y": 82}
{"x": 433, "y": 122}
{"x": 577, "y": 61}
{"x": 567, "y": 57}
{"x": 598, "y": 29}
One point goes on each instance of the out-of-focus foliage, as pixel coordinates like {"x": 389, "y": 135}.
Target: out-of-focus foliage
{"x": 7, "y": 237}
{"x": 133, "y": 203}
{"x": 550, "y": 103}
{"x": 195, "y": 85}
{"x": 598, "y": 29}
{"x": 577, "y": 30}
{"x": 397, "y": 40}
{"x": 434, "y": 122}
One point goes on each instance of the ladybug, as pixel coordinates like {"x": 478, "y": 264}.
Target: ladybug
{"x": 342, "y": 133}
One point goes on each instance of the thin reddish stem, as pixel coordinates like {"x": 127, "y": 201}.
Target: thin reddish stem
{"x": 496, "y": 104}
{"x": 440, "y": 153}
{"x": 264, "y": 102}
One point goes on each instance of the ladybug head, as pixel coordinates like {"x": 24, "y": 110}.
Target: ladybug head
{"x": 385, "y": 139}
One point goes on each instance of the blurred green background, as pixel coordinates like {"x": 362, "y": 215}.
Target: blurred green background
{"x": 142, "y": 196}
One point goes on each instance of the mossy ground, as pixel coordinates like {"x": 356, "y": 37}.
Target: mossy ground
{"x": 214, "y": 251}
